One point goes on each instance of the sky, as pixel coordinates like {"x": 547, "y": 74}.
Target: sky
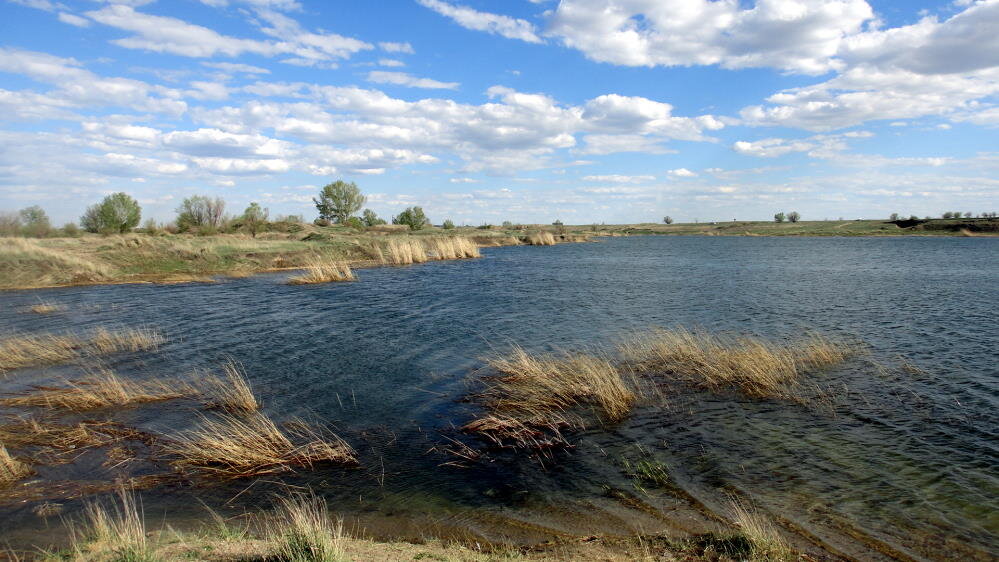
{"x": 483, "y": 111}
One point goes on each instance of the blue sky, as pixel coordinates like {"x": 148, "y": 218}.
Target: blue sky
{"x": 522, "y": 110}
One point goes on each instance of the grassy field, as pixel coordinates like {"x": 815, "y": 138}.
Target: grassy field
{"x": 941, "y": 227}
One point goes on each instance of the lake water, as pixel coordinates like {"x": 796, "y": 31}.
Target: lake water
{"x": 904, "y": 465}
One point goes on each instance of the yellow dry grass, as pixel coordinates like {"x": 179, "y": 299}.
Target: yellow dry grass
{"x": 760, "y": 531}
{"x": 540, "y": 239}
{"x": 19, "y": 351}
{"x": 323, "y": 269}
{"x": 756, "y": 367}
{"x": 11, "y": 469}
{"x": 45, "y": 307}
{"x": 26, "y": 261}
{"x": 104, "y": 341}
{"x": 452, "y": 248}
{"x": 404, "y": 251}
{"x": 101, "y": 390}
{"x": 113, "y": 532}
{"x": 231, "y": 447}
{"x": 304, "y": 531}
{"x": 231, "y": 392}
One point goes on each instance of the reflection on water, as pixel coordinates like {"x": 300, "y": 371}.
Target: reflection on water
{"x": 905, "y": 461}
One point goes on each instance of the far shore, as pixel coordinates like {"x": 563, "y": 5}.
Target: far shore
{"x": 161, "y": 257}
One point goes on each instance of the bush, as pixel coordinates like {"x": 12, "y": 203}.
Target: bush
{"x": 199, "y": 211}
{"x": 893, "y": 217}
{"x": 35, "y": 221}
{"x": 779, "y": 217}
{"x": 372, "y": 219}
{"x": 70, "y": 230}
{"x": 354, "y": 222}
{"x": 413, "y": 217}
{"x": 319, "y": 222}
{"x": 793, "y": 216}
{"x": 10, "y": 224}
{"x": 667, "y": 219}
{"x": 448, "y": 224}
{"x": 117, "y": 213}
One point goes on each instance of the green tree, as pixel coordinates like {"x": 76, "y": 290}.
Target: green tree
{"x": 412, "y": 217}
{"x": 668, "y": 219}
{"x": 339, "y": 201}
{"x": 254, "y": 218}
{"x": 779, "y": 217}
{"x": 371, "y": 219}
{"x": 200, "y": 211}
{"x": 794, "y": 216}
{"x": 448, "y": 224}
{"x": 893, "y": 217}
{"x": 36, "y": 222}
{"x": 117, "y": 213}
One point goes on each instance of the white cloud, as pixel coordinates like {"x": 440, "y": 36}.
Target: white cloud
{"x": 614, "y": 178}
{"x": 404, "y": 79}
{"x": 682, "y": 173}
{"x": 391, "y": 63}
{"x": 508, "y": 27}
{"x": 390, "y": 47}
{"x": 797, "y": 35}
{"x": 234, "y": 67}
{"x": 463, "y": 180}
{"x": 73, "y": 19}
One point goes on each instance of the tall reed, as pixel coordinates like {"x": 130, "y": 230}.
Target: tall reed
{"x": 11, "y": 469}
{"x": 305, "y": 532}
{"x": 760, "y": 531}
{"x": 405, "y": 251}
{"x": 231, "y": 392}
{"x": 114, "y": 532}
{"x": 452, "y": 247}
{"x": 19, "y": 351}
{"x": 542, "y": 238}
{"x": 101, "y": 390}
{"x": 323, "y": 269}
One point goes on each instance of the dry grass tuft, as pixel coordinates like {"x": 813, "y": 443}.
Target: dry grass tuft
{"x": 305, "y": 532}
{"x": 540, "y": 239}
{"x": 323, "y": 270}
{"x": 232, "y": 391}
{"x": 101, "y": 390}
{"x": 19, "y": 351}
{"x": 45, "y": 307}
{"x": 11, "y": 469}
{"x": 452, "y": 248}
{"x": 759, "y": 530}
{"x": 231, "y": 447}
{"x": 756, "y": 367}
{"x": 404, "y": 251}
{"x": 114, "y": 532}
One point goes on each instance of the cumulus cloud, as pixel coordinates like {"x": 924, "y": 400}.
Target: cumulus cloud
{"x": 682, "y": 173}
{"x": 390, "y": 47}
{"x": 511, "y": 28}
{"x": 614, "y": 178}
{"x": 408, "y": 80}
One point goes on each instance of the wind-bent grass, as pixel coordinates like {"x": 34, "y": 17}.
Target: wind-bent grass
{"x": 45, "y": 307}
{"x": 230, "y": 447}
{"x": 31, "y": 432}
{"x": 759, "y": 530}
{"x": 116, "y": 532}
{"x": 101, "y": 390}
{"x": 405, "y": 251}
{"x": 452, "y": 248}
{"x": 540, "y": 239}
{"x": 26, "y": 261}
{"x": 304, "y": 531}
{"x": 45, "y": 349}
{"x": 232, "y": 391}
{"x": 758, "y": 368}
{"x": 11, "y": 469}
{"x": 323, "y": 270}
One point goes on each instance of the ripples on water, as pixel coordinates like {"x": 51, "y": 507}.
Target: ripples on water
{"x": 907, "y": 460}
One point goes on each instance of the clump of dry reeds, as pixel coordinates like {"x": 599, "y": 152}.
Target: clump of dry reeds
{"x": 44, "y": 349}
{"x": 323, "y": 270}
{"x": 113, "y": 532}
{"x": 542, "y": 238}
{"x": 45, "y": 307}
{"x": 452, "y": 247}
{"x": 231, "y": 447}
{"x": 100, "y": 390}
{"x": 756, "y": 367}
{"x": 231, "y": 392}
{"x": 11, "y": 469}
{"x": 760, "y": 531}
{"x": 404, "y": 251}
{"x": 304, "y": 530}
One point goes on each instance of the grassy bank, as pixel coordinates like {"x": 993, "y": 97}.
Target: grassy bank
{"x": 937, "y": 227}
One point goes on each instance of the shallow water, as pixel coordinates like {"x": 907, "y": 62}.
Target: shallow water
{"x": 905, "y": 462}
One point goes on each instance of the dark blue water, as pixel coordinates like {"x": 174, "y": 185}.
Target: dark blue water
{"x": 904, "y": 461}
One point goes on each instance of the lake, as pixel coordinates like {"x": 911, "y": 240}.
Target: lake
{"x": 903, "y": 463}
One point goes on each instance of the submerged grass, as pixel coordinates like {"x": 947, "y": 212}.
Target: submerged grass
{"x": 11, "y": 469}
{"x": 304, "y": 531}
{"x": 46, "y": 307}
{"x": 231, "y": 447}
{"x": 19, "y": 351}
{"x": 758, "y": 368}
{"x": 323, "y": 269}
{"x": 100, "y": 390}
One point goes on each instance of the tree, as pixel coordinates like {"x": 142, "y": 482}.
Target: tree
{"x": 412, "y": 217}
{"x": 371, "y": 219}
{"x": 10, "y": 224}
{"x": 118, "y": 212}
{"x": 339, "y": 201}
{"x": 947, "y": 215}
{"x": 967, "y": 215}
{"x": 35, "y": 221}
{"x": 668, "y": 219}
{"x": 779, "y": 217}
{"x": 200, "y": 211}
{"x": 254, "y": 218}
{"x": 448, "y": 224}
{"x": 893, "y": 217}
{"x": 794, "y": 216}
